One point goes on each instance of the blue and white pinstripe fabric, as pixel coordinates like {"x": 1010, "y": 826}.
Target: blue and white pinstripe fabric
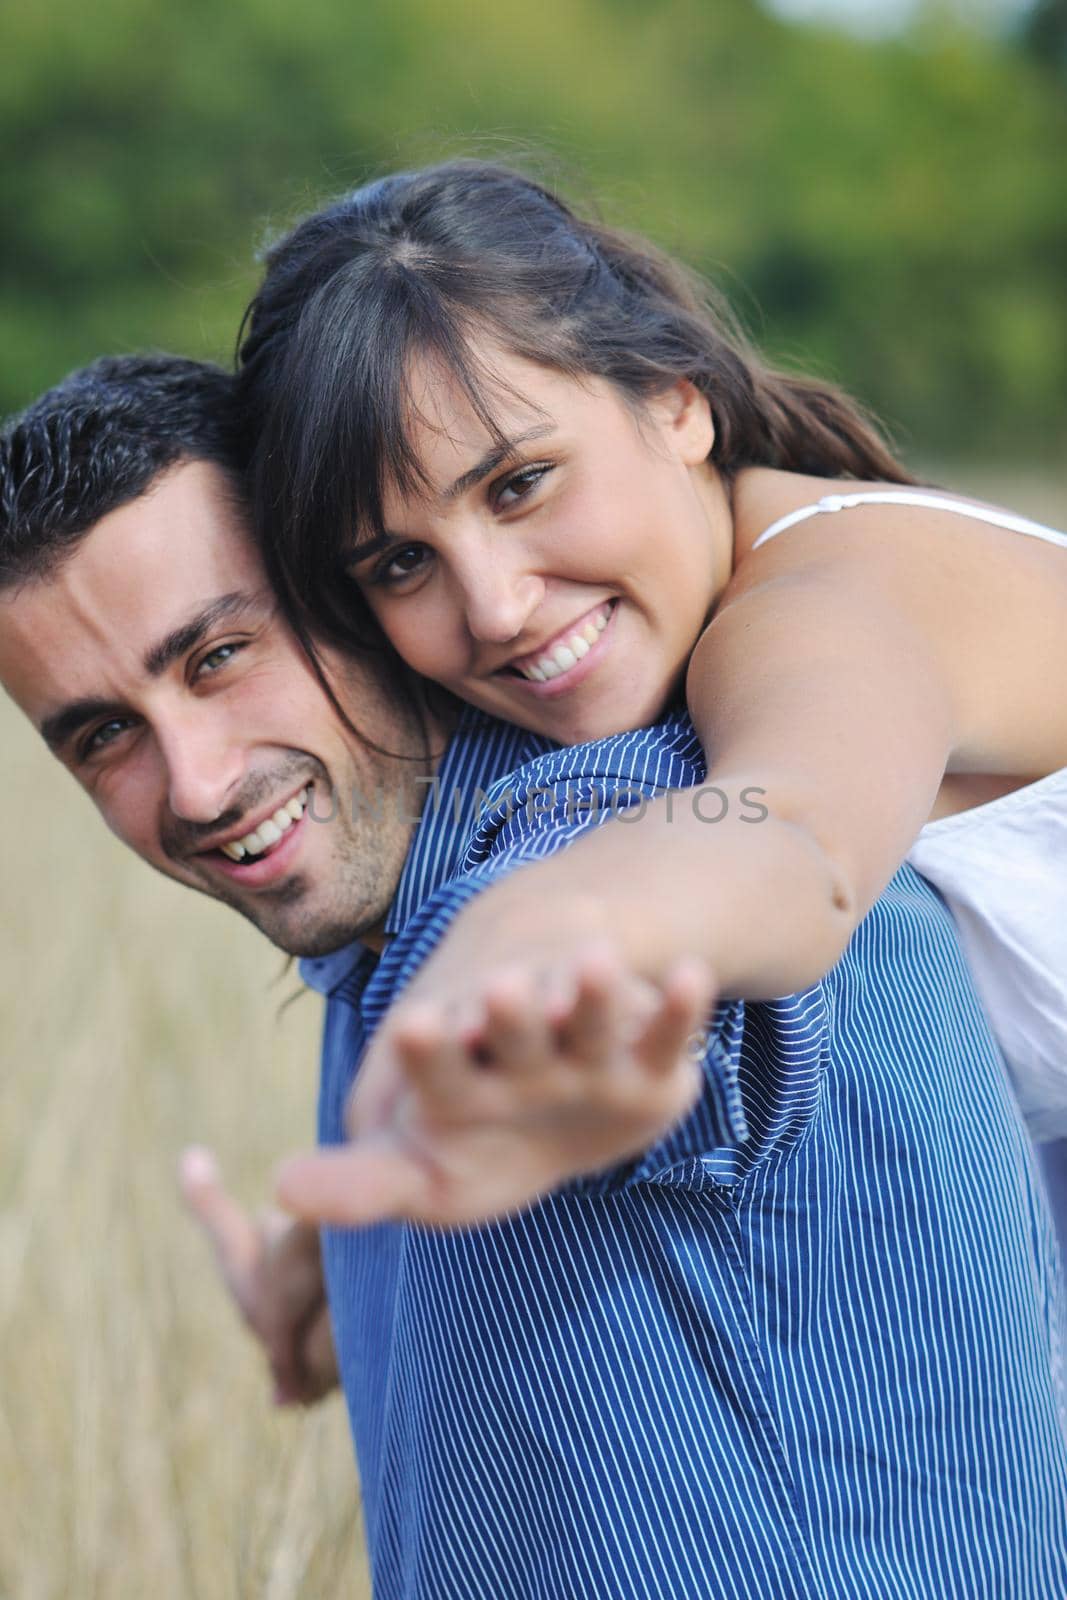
{"x": 808, "y": 1346}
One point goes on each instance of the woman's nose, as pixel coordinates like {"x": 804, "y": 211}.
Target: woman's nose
{"x": 499, "y": 603}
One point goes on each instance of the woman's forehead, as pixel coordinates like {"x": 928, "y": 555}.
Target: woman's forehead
{"x": 497, "y": 397}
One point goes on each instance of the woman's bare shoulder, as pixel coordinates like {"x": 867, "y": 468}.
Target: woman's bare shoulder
{"x": 995, "y": 600}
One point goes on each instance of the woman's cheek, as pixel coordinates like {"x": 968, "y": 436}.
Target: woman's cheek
{"x": 418, "y": 633}
{"x": 388, "y": 614}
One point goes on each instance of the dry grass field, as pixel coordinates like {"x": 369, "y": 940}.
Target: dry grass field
{"x": 139, "y": 1455}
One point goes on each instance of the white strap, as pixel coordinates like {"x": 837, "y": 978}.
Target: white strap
{"x": 910, "y": 497}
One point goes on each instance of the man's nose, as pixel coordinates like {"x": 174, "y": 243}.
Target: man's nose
{"x": 204, "y": 763}
{"x": 499, "y": 601}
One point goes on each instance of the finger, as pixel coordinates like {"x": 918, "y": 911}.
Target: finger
{"x": 515, "y": 1029}
{"x": 685, "y": 1002}
{"x": 318, "y": 1359}
{"x": 433, "y": 1056}
{"x": 352, "y": 1185}
{"x": 283, "y": 1360}
{"x": 231, "y": 1230}
{"x": 589, "y": 1026}
{"x": 293, "y": 1293}
{"x": 424, "y": 1053}
{"x": 290, "y": 1282}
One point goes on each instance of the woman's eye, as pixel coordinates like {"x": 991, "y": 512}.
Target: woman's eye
{"x": 401, "y": 564}
{"x": 518, "y": 485}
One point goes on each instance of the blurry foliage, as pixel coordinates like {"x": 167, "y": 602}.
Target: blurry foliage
{"x": 892, "y": 215}
{"x": 1044, "y": 33}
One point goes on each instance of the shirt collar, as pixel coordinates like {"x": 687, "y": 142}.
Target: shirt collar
{"x": 480, "y": 751}
{"x": 326, "y": 974}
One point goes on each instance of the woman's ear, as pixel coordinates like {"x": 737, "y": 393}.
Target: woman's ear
{"x": 683, "y": 415}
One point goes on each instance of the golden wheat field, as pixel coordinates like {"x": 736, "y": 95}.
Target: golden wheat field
{"x": 139, "y": 1454}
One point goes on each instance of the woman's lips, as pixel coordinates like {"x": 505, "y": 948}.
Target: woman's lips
{"x": 569, "y": 666}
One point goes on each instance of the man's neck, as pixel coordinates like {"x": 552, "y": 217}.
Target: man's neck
{"x": 439, "y": 723}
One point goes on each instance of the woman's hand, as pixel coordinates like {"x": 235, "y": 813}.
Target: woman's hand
{"x": 272, "y": 1267}
{"x": 459, "y": 1118}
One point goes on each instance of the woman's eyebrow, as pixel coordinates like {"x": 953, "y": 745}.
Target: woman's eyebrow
{"x": 493, "y": 458}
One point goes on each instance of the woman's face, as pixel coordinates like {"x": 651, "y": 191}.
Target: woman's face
{"x": 560, "y": 584}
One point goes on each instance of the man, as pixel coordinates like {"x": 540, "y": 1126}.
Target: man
{"x": 798, "y": 1340}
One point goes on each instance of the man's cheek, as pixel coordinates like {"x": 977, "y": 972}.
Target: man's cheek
{"x": 130, "y": 829}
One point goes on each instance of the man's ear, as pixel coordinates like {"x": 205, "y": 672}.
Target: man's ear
{"x": 683, "y": 415}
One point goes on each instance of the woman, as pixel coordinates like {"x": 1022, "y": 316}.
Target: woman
{"x": 530, "y": 452}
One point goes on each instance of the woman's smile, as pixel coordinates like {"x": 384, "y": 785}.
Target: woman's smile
{"x": 569, "y": 646}
{"x": 568, "y": 657}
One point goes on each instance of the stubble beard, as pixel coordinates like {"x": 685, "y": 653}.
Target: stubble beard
{"x": 352, "y": 903}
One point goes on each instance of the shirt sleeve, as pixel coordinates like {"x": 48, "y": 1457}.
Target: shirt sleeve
{"x": 528, "y": 822}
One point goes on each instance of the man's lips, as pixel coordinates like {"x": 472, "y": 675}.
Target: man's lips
{"x": 265, "y": 869}
{"x": 563, "y": 650}
{"x": 259, "y": 855}
{"x": 254, "y": 839}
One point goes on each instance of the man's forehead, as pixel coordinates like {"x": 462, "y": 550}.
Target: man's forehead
{"x": 189, "y": 523}
{"x": 134, "y": 591}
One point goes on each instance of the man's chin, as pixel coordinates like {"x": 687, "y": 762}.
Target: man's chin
{"x": 301, "y": 916}
{"x": 296, "y": 928}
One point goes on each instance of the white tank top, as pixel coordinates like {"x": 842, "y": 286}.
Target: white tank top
{"x": 1002, "y": 870}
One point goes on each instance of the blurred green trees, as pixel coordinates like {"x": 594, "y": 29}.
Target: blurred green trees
{"x": 892, "y": 215}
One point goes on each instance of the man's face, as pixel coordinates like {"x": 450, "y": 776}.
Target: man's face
{"x": 156, "y": 665}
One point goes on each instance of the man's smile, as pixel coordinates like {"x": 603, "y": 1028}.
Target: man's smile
{"x": 267, "y": 832}
{"x": 262, "y": 853}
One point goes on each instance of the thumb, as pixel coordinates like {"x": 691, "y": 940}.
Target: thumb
{"x": 351, "y": 1185}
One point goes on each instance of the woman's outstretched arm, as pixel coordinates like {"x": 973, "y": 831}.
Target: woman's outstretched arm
{"x": 825, "y": 693}
{"x": 828, "y": 686}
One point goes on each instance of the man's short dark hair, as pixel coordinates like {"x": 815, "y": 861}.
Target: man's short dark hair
{"x": 97, "y": 441}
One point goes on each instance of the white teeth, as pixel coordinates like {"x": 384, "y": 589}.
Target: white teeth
{"x": 568, "y": 654}
{"x": 269, "y": 832}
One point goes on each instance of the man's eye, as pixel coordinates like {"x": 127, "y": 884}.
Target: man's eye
{"x": 408, "y": 561}
{"x": 515, "y": 488}
{"x": 103, "y": 735}
{"x": 214, "y": 659}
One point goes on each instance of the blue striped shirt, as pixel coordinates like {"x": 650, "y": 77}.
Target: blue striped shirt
{"x": 809, "y": 1345}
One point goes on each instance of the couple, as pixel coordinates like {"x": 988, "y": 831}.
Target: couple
{"x": 785, "y": 1318}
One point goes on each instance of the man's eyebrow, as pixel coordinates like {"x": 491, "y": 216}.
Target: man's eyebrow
{"x": 493, "y": 458}
{"x": 182, "y": 639}
{"x": 58, "y": 729}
